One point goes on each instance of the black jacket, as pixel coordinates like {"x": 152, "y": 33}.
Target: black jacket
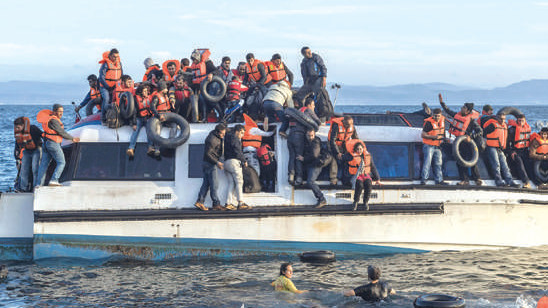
{"x": 312, "y": 151}
{"x": 233, "y": 148}
{"x": 313, "y": 68}
{"x": 214, "y": 148}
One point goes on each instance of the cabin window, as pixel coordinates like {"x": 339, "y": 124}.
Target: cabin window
{"x": 391, "y": 159}
{"x": 195, "y": 159}
{"x": 108, "y": 161}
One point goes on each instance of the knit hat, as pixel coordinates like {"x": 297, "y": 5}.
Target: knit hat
{"x": 148, "y": 62}
{"x": 469, "y": 106}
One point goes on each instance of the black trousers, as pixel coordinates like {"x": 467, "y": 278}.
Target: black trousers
{"x": 519, "y": 164}
{"x": 364, "y": 186}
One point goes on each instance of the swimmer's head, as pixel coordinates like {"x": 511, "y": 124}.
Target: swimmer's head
{"x": 373, "y": 272}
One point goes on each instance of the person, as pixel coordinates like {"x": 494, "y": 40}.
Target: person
{"x": 93, "y": 96}
{"x": 269, "y": 166}
{"x": 315, "y": 158}
{"x": 28, "y": 141}
{"x": 256, "y": 74}
{"x": 295, "y": 143}
{"x": 376, "y": 290}
{"x": 433, "y": 135}
{"x": 360, "y": 171}
{"x": 202, "y": 67}
{"x": 486, "y": 114}
{"x": 240, "y": 70}
{"x": 234, "y": 91}
{"x": 179, "y": 96}
{"x": 54, "y": 133}
{"x": 140, "y": 118}
{"x": 170, "y": 68}
{"x": 341, "y": 130}
{"x": 278, "y": 71}
{"x": 251, "y": 142}
{"x": 463, "y": 124}
{"x": 185, "y": 64}
{"x": 519, "y": 133}
{"x": 313, "y": 69}
{"x": 283, "y": 282}
{"x": 159, "y": 105}
{"x": 234, "y": 161}
{"x": 125, "y": 85}
{"x": 109, "y": 75}
{"x": 496, "y": 132}
{"x": 224, "y": 70}
{"x": 213, "y": 153}
{"x": 277, "y": 97}
{"x": 151, "y": 69}
{"x": 538, "y": 151}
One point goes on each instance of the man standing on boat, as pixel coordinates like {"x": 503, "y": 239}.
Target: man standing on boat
{"x": 314, "y": 73}
{"x": 433, "y": 135}
{"x": 28, "y": 141}
{"x": 213, "y": 152}
{"x": 341, "y": 130}
{"x": 538, "y": 151}
{"x": 109, "y": 75}
{"x": 519, "y": 133}
{"x": 234, "y": 161}
{"x": 54, "y": 133}
{"x": 496, "y": 132}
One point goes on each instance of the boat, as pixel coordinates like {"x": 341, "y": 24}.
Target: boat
{"x": 111, "y": 206}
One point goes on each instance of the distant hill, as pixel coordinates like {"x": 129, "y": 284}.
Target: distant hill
{"x": 36, "y": 92}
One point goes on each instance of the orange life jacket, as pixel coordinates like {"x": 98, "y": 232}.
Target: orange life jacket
{"x": 483, "y": 114}
{"x": 542, "y": 148}
{"x": 277, "y": 73}
{"x": 522, "y": 135}
{"x": 114, "y": 70}
{"x": 438, "y": 129}
{"x": 143, "y": 106}
{"x": 163, "y": 102}
{"x": 253, "y": 72}
{"x": 497, "y": 138}
{"x": 168, "y": 77}
{"x": 151, "y": 68}
{"x": 264, "y": 155}
{"x": 23, "y": 138}
{"x": 343, "y": 134}
{"x": 249, "y": 140}
{"x": 119, "y": 90}
{"x": 44, "y": 117}
{"x": 199, "y": 70}
{"x": 94, "y": 93}
{"x": 180, "y": 94}
{"x": 234, "y": 90}
{"x": 460, "y": 124}
{"x": 354, "y": 164}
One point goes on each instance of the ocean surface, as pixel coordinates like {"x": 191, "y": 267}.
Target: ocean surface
{"x": 515, "y": 277}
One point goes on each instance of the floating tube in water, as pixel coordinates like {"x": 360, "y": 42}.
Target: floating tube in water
{"x": 154, "y": 128}
{"x": 541, "y": 174}
{"x": 439, "y": 300}
{"x": 301, "y": 117}
{"x": 221, "y": 89}
{"x": 457, "y": 152}
{"x": 127, "y": 106}
{"x": 320, "y": 256}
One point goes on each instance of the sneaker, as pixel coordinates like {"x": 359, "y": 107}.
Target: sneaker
{"x": 283, "y": 135}
{"x": 229, "y": 207}
{"x": 355, "y": 205}
{"x": 200, "y": 206}
{"x": 218, "y": 207}
{"x": 150, "y": 151}
{"x": 500, "y": 183}
{"x": 243, "y": 206}
{"x": 130, "y": 152}
{"x": 157, "y": 152}
{"x": 442, "y": 183}
{"x": 527, "y": 185}
{"x": 462, "y": 183}
{"x": 479, "y": 182}
{"x": 54, "y": 184}
{"x": 366, "y": 207}
{"x": 334, "y": 182}
{"x": 321, "y": 203}
{"x": 298, "y": 181}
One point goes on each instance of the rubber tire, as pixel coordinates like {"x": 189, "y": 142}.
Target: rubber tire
{"x": 510, "y": 110}
{"x": 194, "y": 111}
{"x": 539, "y": 173}
{"x": 91, "y": 104}
{"x": 153, "y": 131}
{"x": 439, "y": 300}
{"x": 127, "y": 105}
{"x": 456, "y": 154}
{"x": 320, "y": 256}
{"x": 302, "y": 118}
{"x": 213, "y": 98}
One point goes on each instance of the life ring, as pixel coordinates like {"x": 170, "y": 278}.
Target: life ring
{"x": 320, "y": 256}
{"x": 439, "y": 300}
{"x": 301, "y": 117}
{"x": 154, "y": 129}
{"x": 459, "y": 158}
{"x": 209, "y": 97}
{"x": 91, "y": 104}
{"x": 127, "y": 105}
{"x": 510, "y": 110}
{"x": 541, "y": 174}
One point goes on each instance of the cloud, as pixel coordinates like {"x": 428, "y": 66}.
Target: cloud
{"x": 103, "y": 41}
{"x": 161, "y": 54}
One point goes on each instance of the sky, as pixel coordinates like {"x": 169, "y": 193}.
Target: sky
{"x": 471, "y": 43}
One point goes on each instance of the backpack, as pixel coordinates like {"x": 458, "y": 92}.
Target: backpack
{"x": 112, "y": 116}
{"x": 251, "y": 180}
{"x": 324, "y": 108}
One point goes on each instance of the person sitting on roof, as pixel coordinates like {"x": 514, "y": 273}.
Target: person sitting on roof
{"x": 151, "y": 70}
{"x": 234, "y": 91}
{"x": 433, "y": 135}
{"x": 92, "y": 97}
{"x": 376, "y": 290}
{"x": 251, "y": 142}
{"x": 496, "y": 132}
{"x": 54, "y": 133}
{"x": 538, "y": 151}
{"x": 359, "y": 171}
{"x": 202, "y": 67}
{"x": 179, "y": 96}
{"x": 171, "y": 68}
{"x": 126, "y": 85}
{"x": 256, "y": 73}
{"x": 109, "y": 75}
{"x": 464, "y": 123}
{"x": 283, "y": 282}
{"x": 140, "y": 117}
{"x": 278, "y": 71}
{"x": 519, "y": 133}
{"x": 28, "y": 143}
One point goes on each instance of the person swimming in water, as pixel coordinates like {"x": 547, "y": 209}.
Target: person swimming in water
{"x": 376, "y": 290}
{"x": 283, "y": 282}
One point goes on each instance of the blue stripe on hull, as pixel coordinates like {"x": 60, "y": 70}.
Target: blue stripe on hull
{"x": 16, "y": 248}
{"x": 146, "y": 248}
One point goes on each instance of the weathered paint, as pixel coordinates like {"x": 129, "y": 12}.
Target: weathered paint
{"x": 18, "y": 249}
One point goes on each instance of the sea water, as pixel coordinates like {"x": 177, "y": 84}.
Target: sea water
{"x": 515, "y": 277}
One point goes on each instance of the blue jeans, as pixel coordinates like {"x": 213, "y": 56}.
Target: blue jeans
{"x": 52, "y": 150}
{"x": 105, "y": 95}
{"x": 431, "y": 153}
{"x": 295, "y": 145}
{"x": 141, "y": 123}
{"x": 498, "y": 164}
{"x": 29, "y": 165}
{"x": 313, "y": 173}
{"x": 210, "y": 182}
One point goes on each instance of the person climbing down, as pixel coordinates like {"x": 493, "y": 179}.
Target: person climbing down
{"x": 92, "y": 97}
{"x": 360, "y": 171}
{"x": 251, "y": 142}
{"x": 283, "y": 282}
{"x": 376, "y": 290}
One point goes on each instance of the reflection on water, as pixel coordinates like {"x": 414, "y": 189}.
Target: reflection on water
{"x": 498, "y": 278}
